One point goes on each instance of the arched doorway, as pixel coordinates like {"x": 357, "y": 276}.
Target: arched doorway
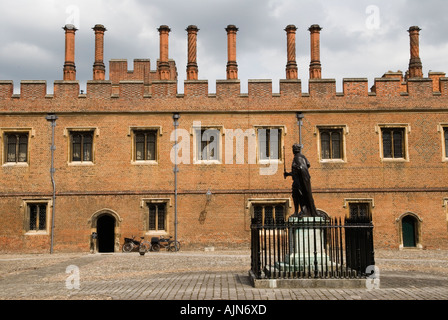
{"x": 105, "y": 225}
{"x": 106, "y": 233}
{"x": 409, "y": 231}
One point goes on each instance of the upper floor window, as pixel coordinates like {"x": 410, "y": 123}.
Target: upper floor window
{"x": 145, "y": 145}
{"x": 207, "y": 144}
{"x": 81, "y": 146}
{"x": 331, "y": 144}
{"x": 393, "y": 143}
{"x": 445, "y": 140}
{"x": 16, "y": 147}
{"x": 269, "y": 143}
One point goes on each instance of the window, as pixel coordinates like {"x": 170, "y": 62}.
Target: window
{"x": 269, "y": 143}
{"x": 393, "y": 140}
{"x": 360, "y": 211}
{"x": 157, "y": 216}
{"x": 207, "y": 144}
{"x": 269, "y": 214}
{"x": 36, "y": 217}
{"x": 16, "y": 147}
{"x": 145, "y": 145}
{"x": 331, "y": 143}
{"x": 445, "y": 140}
{"x": 81, "y": 146}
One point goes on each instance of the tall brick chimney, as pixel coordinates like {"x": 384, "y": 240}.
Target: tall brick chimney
{"x": 415, "y": 64}
{"x": 232, "y": 66}
{"x": 99, "y": 69}
{"x": 291, "y": 65}
{"x": 315, "y": 66}
{"x": 164, "y": 66}
{"x": 69, "y": 65}
{"x": 192, "y": 66}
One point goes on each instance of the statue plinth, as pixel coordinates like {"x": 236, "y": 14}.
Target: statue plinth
{"x": 306, "y": 245}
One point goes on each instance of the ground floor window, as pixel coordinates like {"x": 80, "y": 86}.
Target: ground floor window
{"x": 36, "y": 217}
{"x": 157, "y": 216}
{"x": 269, "y": 214}
{"x": 360, "y": 211}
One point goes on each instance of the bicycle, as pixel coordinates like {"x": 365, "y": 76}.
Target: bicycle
{"x": 167, "y": 243}
{"x": 130, "y": 244}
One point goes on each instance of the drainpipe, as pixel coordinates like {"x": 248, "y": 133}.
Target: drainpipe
{"x": 176, "y": 117}
{"x": 52, "y": 118}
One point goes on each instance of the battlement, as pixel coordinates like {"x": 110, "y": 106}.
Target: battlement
{"x": 154, "y": 95}
{"x": 153, "y": 89}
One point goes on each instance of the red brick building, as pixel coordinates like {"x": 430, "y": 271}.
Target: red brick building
{"x": 74, "y": 163}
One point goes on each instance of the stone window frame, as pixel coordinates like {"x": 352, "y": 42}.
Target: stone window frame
{"x": 8, "y": 130}
{"x": 144, "y": 207}
{"x": 445, "y": 205}
{"x": 407, "y": 131}
{"x": 68, "y": 135}
{"x": 442, "y": 128}
{"x": 345, "y": 132}
{"x": 131, "y": 134}
{"x": 26, "y": 214}
{"x": 281, "y": 156}
{"x": 221, "y": 135}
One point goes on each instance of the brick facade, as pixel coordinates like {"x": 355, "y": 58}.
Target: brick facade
{"x": 114, "y": 184}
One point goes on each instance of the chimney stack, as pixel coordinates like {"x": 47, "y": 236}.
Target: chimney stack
{"x": 232, "y": 66}
{"x": 99, "y": 69}
{"x": 164, "y": 66}
{"x": 291, "y": 66}
{"x": 415, "y": 64}
{"x": 192, "y": 66}
{"x": 315, "y": 66}
{"x": 69, "y": 65}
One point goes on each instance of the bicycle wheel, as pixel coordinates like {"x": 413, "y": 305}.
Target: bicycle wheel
{"x": 127, "y": 247}
{"x": 156, "y": 247}
{"x": 146, "y": 246}
{"x": 175, "y": 246}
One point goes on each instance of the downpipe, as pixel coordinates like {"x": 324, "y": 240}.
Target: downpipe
{"x": 52, "y": 118}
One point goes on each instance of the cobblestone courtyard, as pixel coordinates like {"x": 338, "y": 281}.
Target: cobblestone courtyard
{"x": 201, "y": 275}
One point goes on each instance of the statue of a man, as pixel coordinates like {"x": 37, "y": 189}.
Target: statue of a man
{"x": 301, "y": 186}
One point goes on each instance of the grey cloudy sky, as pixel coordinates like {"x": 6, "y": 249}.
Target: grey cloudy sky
{"x": 362, "y": 39}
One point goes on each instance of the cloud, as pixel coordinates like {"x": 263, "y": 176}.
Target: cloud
{"x": 33, "y": 46}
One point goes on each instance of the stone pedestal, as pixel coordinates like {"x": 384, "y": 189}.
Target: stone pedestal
{"x": 306, "y": 246}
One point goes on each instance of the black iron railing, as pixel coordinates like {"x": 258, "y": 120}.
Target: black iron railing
{"x": 312, "y": 248}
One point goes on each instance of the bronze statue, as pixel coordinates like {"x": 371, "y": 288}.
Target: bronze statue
{"x": 301, "y": 186}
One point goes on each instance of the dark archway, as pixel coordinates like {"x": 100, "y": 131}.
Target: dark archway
{"x": 409, "y": 229}
{"x": 106, "y": 233}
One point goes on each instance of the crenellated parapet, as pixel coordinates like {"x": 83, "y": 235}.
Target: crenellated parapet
{"x": 157, "y": 89}
{"x": 163, "y": 95}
